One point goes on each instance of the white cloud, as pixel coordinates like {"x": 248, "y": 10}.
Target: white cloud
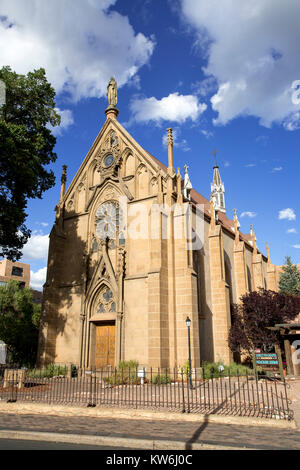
{"x": 207, "y": 134}
{"x": 278, "y": 168}
{"x": 288, "y": 214}
{"x": 67, "y": 120}
{"x": 205, "y": 87}
{"x": 250, "y": 165}
{"x": 44, "y": 224}
{"x": 38, "y": 278}
{"x": 296, "y": 246}
{"x": 79, "y": 43}
{"x": 292, "y": 122}
{"x": 291, "y": 230}
{"x": 37, "y": 247}
{"x": 253, "y": 53}
{"x": 248, "y": 214}
{"x": 175, "y": 108}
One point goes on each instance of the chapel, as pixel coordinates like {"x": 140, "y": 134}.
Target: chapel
{"x": 133, "y": 252}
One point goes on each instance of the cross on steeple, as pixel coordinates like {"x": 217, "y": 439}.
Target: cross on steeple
{"x": 214, "y": 153}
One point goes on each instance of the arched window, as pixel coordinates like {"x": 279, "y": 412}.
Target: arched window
{"x": 106, "y": 301}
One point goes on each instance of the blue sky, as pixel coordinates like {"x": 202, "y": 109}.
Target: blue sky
{"x": 220, "y": 73}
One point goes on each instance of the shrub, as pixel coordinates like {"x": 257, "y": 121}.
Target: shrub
{"x": 161, "y": 379}
{"x": 51, "y": 370}
{"x": 125, "y": 374}
{"x": 211, "y": 370}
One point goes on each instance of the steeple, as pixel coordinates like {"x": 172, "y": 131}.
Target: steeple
{"x": 187, "y": 185}
{"x": 217, "y": 187}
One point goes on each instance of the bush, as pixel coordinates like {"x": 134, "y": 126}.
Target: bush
{"x": 125, "y": 374}
{"x": 211, "y": 370}
{"x": 51, "y": 370}
{"x": 161, "y": 379}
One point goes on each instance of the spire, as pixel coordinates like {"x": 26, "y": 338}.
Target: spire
{"x": 171, "y": 170}
{"x": 179, "y": 193}
{"x": 187, "y": 185}
{"x": 63, "y": 182}
{"x": 253, "y": 237}
{"x": 236, "y": 226}
{"x": 268, "y": 253}
{"x": 217, "y": 187}
{"x": 112, "y": 96}
{"x": 212, "y": 213}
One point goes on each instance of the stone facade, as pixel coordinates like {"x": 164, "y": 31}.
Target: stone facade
{"x": 126, "y": 296}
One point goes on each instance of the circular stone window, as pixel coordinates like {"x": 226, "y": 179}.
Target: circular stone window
{"x": 108, "y": 160}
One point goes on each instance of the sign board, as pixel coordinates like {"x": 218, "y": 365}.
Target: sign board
{"x": 267, "y": 361}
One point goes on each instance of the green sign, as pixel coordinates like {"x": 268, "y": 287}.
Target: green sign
{"x": 268, "y": 361}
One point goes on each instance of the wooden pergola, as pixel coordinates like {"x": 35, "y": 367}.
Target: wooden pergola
{"x": 290, "y": 332}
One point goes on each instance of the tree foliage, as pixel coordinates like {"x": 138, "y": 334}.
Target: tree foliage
{"x": 19, "y": 323}
{"x": 257, "y": 311}
{"x": 26, "y": 148}
{"x": 289, "y": 281}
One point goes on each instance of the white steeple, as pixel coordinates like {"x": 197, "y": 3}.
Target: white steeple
{"x": 187, "y": 185}
{"x": 217, "y": 188}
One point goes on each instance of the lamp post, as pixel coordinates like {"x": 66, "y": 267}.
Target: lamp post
{"x": 188, "y": 324}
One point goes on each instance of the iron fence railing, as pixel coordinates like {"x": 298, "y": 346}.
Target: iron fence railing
{"x": 174, "y": 390}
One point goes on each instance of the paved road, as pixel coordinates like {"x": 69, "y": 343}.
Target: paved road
{"x": 187, "y": 432}
{"x": 18, "y": 444}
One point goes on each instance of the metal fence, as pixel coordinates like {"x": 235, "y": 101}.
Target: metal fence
{"x": 163, "y": 389}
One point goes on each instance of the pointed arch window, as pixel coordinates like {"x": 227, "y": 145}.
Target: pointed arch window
{"x": 106, "y": 303}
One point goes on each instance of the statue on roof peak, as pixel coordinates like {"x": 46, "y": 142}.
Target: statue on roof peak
{"x": 112, "y": 93}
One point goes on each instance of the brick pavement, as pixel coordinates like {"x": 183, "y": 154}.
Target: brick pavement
{"x": 187, "y": 432}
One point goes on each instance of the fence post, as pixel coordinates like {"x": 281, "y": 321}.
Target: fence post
{"x": 183, "y": 400}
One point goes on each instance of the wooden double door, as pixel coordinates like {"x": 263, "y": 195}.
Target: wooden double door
{"x": 105, "y": 344}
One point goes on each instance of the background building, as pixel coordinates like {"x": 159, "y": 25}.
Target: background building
{"x": 15, "y": 271}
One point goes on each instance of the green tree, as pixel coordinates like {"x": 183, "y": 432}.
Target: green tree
{"x": 26, "y": 148}
{"x": 289, "y": 281}
{"x": 19, "y": 323}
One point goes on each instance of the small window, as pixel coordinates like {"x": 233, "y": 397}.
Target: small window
{"x": 17, "y": 271}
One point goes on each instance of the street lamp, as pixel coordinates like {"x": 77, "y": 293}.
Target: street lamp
{"x": 188, "y": 324}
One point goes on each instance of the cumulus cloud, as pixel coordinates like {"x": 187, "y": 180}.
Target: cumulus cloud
{"x": 79, "y": 43}
{"x": 248, "y": 214}
{"x": 38, "y": 278}
{"x": 175, "y": 108}
{"x": 291, "y": 230}
{"x": 288, "y": 214}
{"x": 37, "y": 247}
{"x": 253, "y": 53}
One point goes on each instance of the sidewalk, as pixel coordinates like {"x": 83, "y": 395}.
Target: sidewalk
{"x": 146, "y": 433}
{"x": 149, "y": 429}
